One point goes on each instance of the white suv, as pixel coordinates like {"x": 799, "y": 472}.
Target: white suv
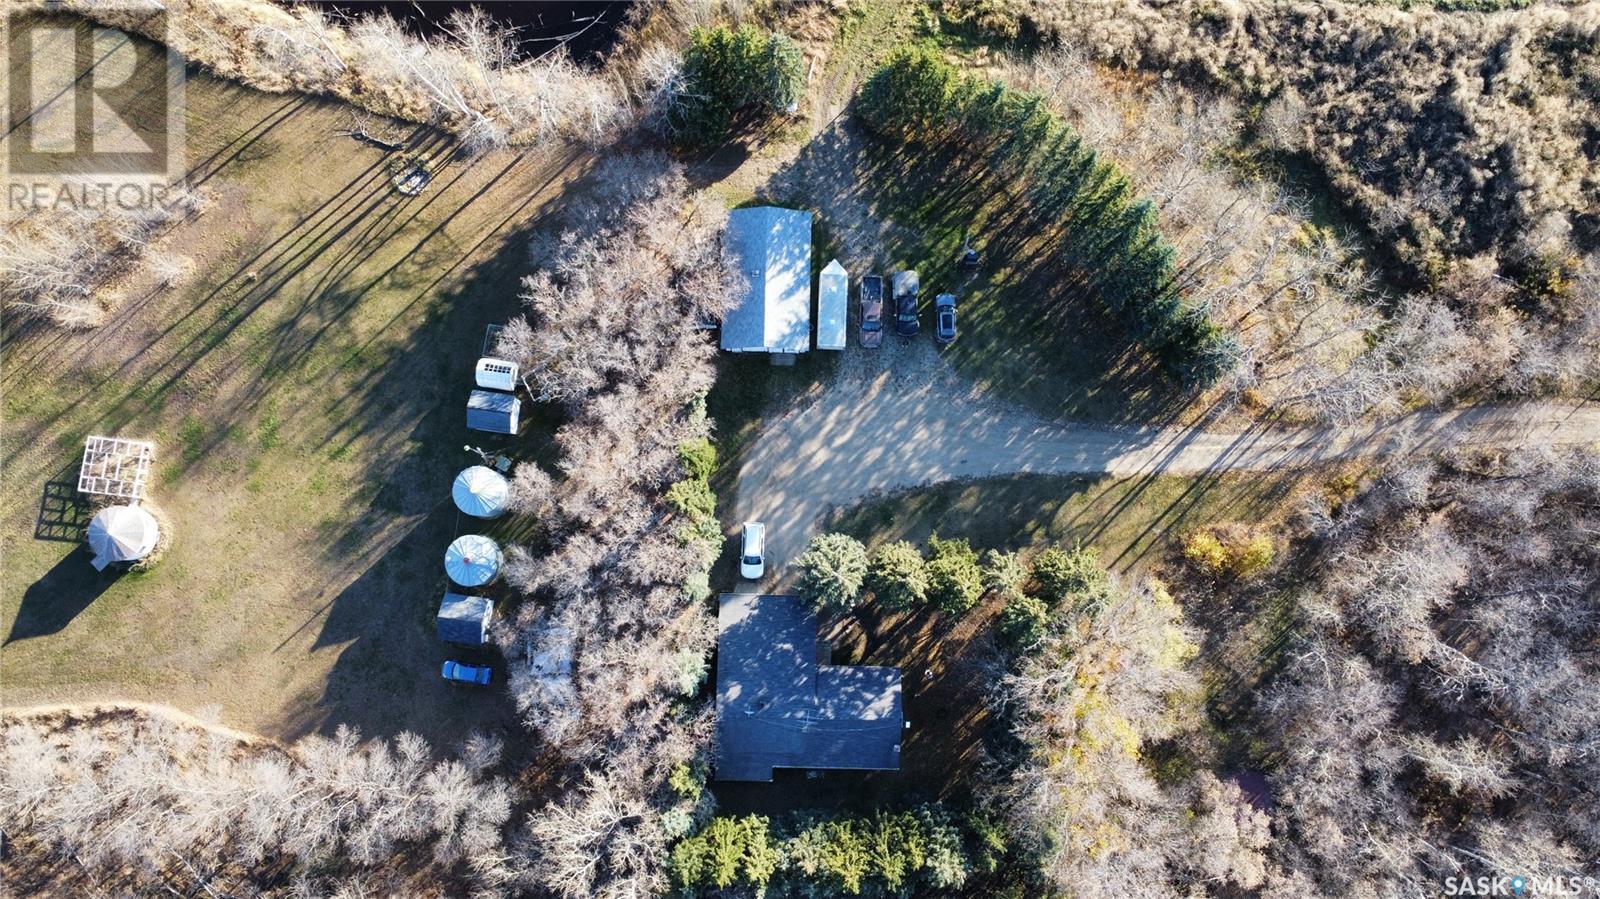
{"x": 752, "y": 549}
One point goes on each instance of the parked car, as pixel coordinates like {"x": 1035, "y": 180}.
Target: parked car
{"x": 944, "y": 317}
{"x": 458, "y": 673}
{"x": 752, "y": 551}
{"x": 872, "y": 311}
{"x": 905, "y": 288}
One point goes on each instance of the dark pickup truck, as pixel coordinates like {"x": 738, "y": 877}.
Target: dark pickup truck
{"x": 905, "y": 288}
{"x": 872, "y": 311}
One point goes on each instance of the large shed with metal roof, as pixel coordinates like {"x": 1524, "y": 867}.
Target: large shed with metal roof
{"x": 771, "y": 247}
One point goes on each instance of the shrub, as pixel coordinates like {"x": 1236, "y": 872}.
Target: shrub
{"x": 699, "y": 458}
{"x": 1229, "y": 551}
{"x": 988, "y": 842}
{"x": 885, "y": 853}
{"x": 688, "y": 780}
{"x": 693, "y": 498}
{"x": 689, "y": 669}
{"x": 1059, "y": 575}
{"x": 1251, "y": 557}
{"x": 1003, "y": 571}
{"x": 832, "y": 570}
{"x": 897, "y": 576}
{"x": 1206, "y": 552}
{"x": 955, "y": 581}
{"x": 729, "y": 71}
{"x": 1023, "y": 622}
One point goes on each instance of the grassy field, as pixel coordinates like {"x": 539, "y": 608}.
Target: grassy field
{"x": 305, "y": 389}
{"x": 1134, "y": 522}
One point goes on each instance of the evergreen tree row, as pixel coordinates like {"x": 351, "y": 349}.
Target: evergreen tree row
{"x": 885, "y": 853}
{"x": 1110, "y": 236}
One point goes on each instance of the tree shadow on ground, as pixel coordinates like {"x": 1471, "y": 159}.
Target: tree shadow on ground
{"x": 1031, "y": 331}
{"x": 387, "y": 676}
{"x": 53, "y": 601}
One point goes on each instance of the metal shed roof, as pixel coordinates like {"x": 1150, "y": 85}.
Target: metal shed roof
{"x": 833, "y": 306}
{"x": 772, "y": 248}
{"x": 490, "y": 411}
{"x": 777, "y": 708}
{"x": 464, "y": 619}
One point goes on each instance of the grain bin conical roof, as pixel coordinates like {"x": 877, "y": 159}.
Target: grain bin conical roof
{"x": 472, "y": 560}
{"x": 481, "y": 492}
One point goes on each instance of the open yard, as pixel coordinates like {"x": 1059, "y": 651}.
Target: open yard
{"x": 305, "y": 388}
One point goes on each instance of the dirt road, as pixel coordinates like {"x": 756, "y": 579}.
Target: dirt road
{"x": 884, "y": 431}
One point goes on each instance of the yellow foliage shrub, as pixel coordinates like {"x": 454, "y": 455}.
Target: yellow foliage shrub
{"x": 1229, "y": 550}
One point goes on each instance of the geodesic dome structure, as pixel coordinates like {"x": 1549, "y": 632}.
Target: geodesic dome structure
{"x": 122, "y": 534}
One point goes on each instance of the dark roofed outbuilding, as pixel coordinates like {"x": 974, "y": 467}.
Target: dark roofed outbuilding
{"x": 778, "y": 708}
{"x": 464, "y": 619}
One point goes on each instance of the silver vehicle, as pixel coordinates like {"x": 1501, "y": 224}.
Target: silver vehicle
{"x": 944, "y": 317}
{"x": 752, "y": 551}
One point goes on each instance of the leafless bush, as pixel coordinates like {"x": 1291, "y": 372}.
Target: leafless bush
{"x": 599, "y": 647}
{"x": 1450, "y": 654}
{"x": 1491, "y": 140}
{"x": 470, "y": 81}
{"x": 66, "y": 262}
{"x": 142, "y": 793}
{"x": 603, "y": 840}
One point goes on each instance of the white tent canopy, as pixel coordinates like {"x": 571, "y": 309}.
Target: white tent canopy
{"x": 122, "y": 534}
{"x": 472, "y": 560}
{"x": 481, "y": 492}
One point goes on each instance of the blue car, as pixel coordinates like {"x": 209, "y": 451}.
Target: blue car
{"x": 457, "y": 673}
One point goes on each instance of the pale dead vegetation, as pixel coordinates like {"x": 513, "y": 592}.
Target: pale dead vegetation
{"x": 472, "y": 82}
{"x": 154, "y": 802}
{"x": 1448, "y": 667}
{"x": 66, "y": 262}
{"x": 610, "y": 336}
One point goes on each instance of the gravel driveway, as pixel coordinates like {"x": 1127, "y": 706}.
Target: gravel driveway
{"x": 899, "y": 418}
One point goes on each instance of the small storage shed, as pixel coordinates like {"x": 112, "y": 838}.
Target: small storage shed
{"x": 833, "y": 306}
{"x": 464, "y": 619}
{"x": 496, "y": 374}
{"x": 481, "y": 492}
{"x": 497, "y": 413}
{"x": 122, "y": 534}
